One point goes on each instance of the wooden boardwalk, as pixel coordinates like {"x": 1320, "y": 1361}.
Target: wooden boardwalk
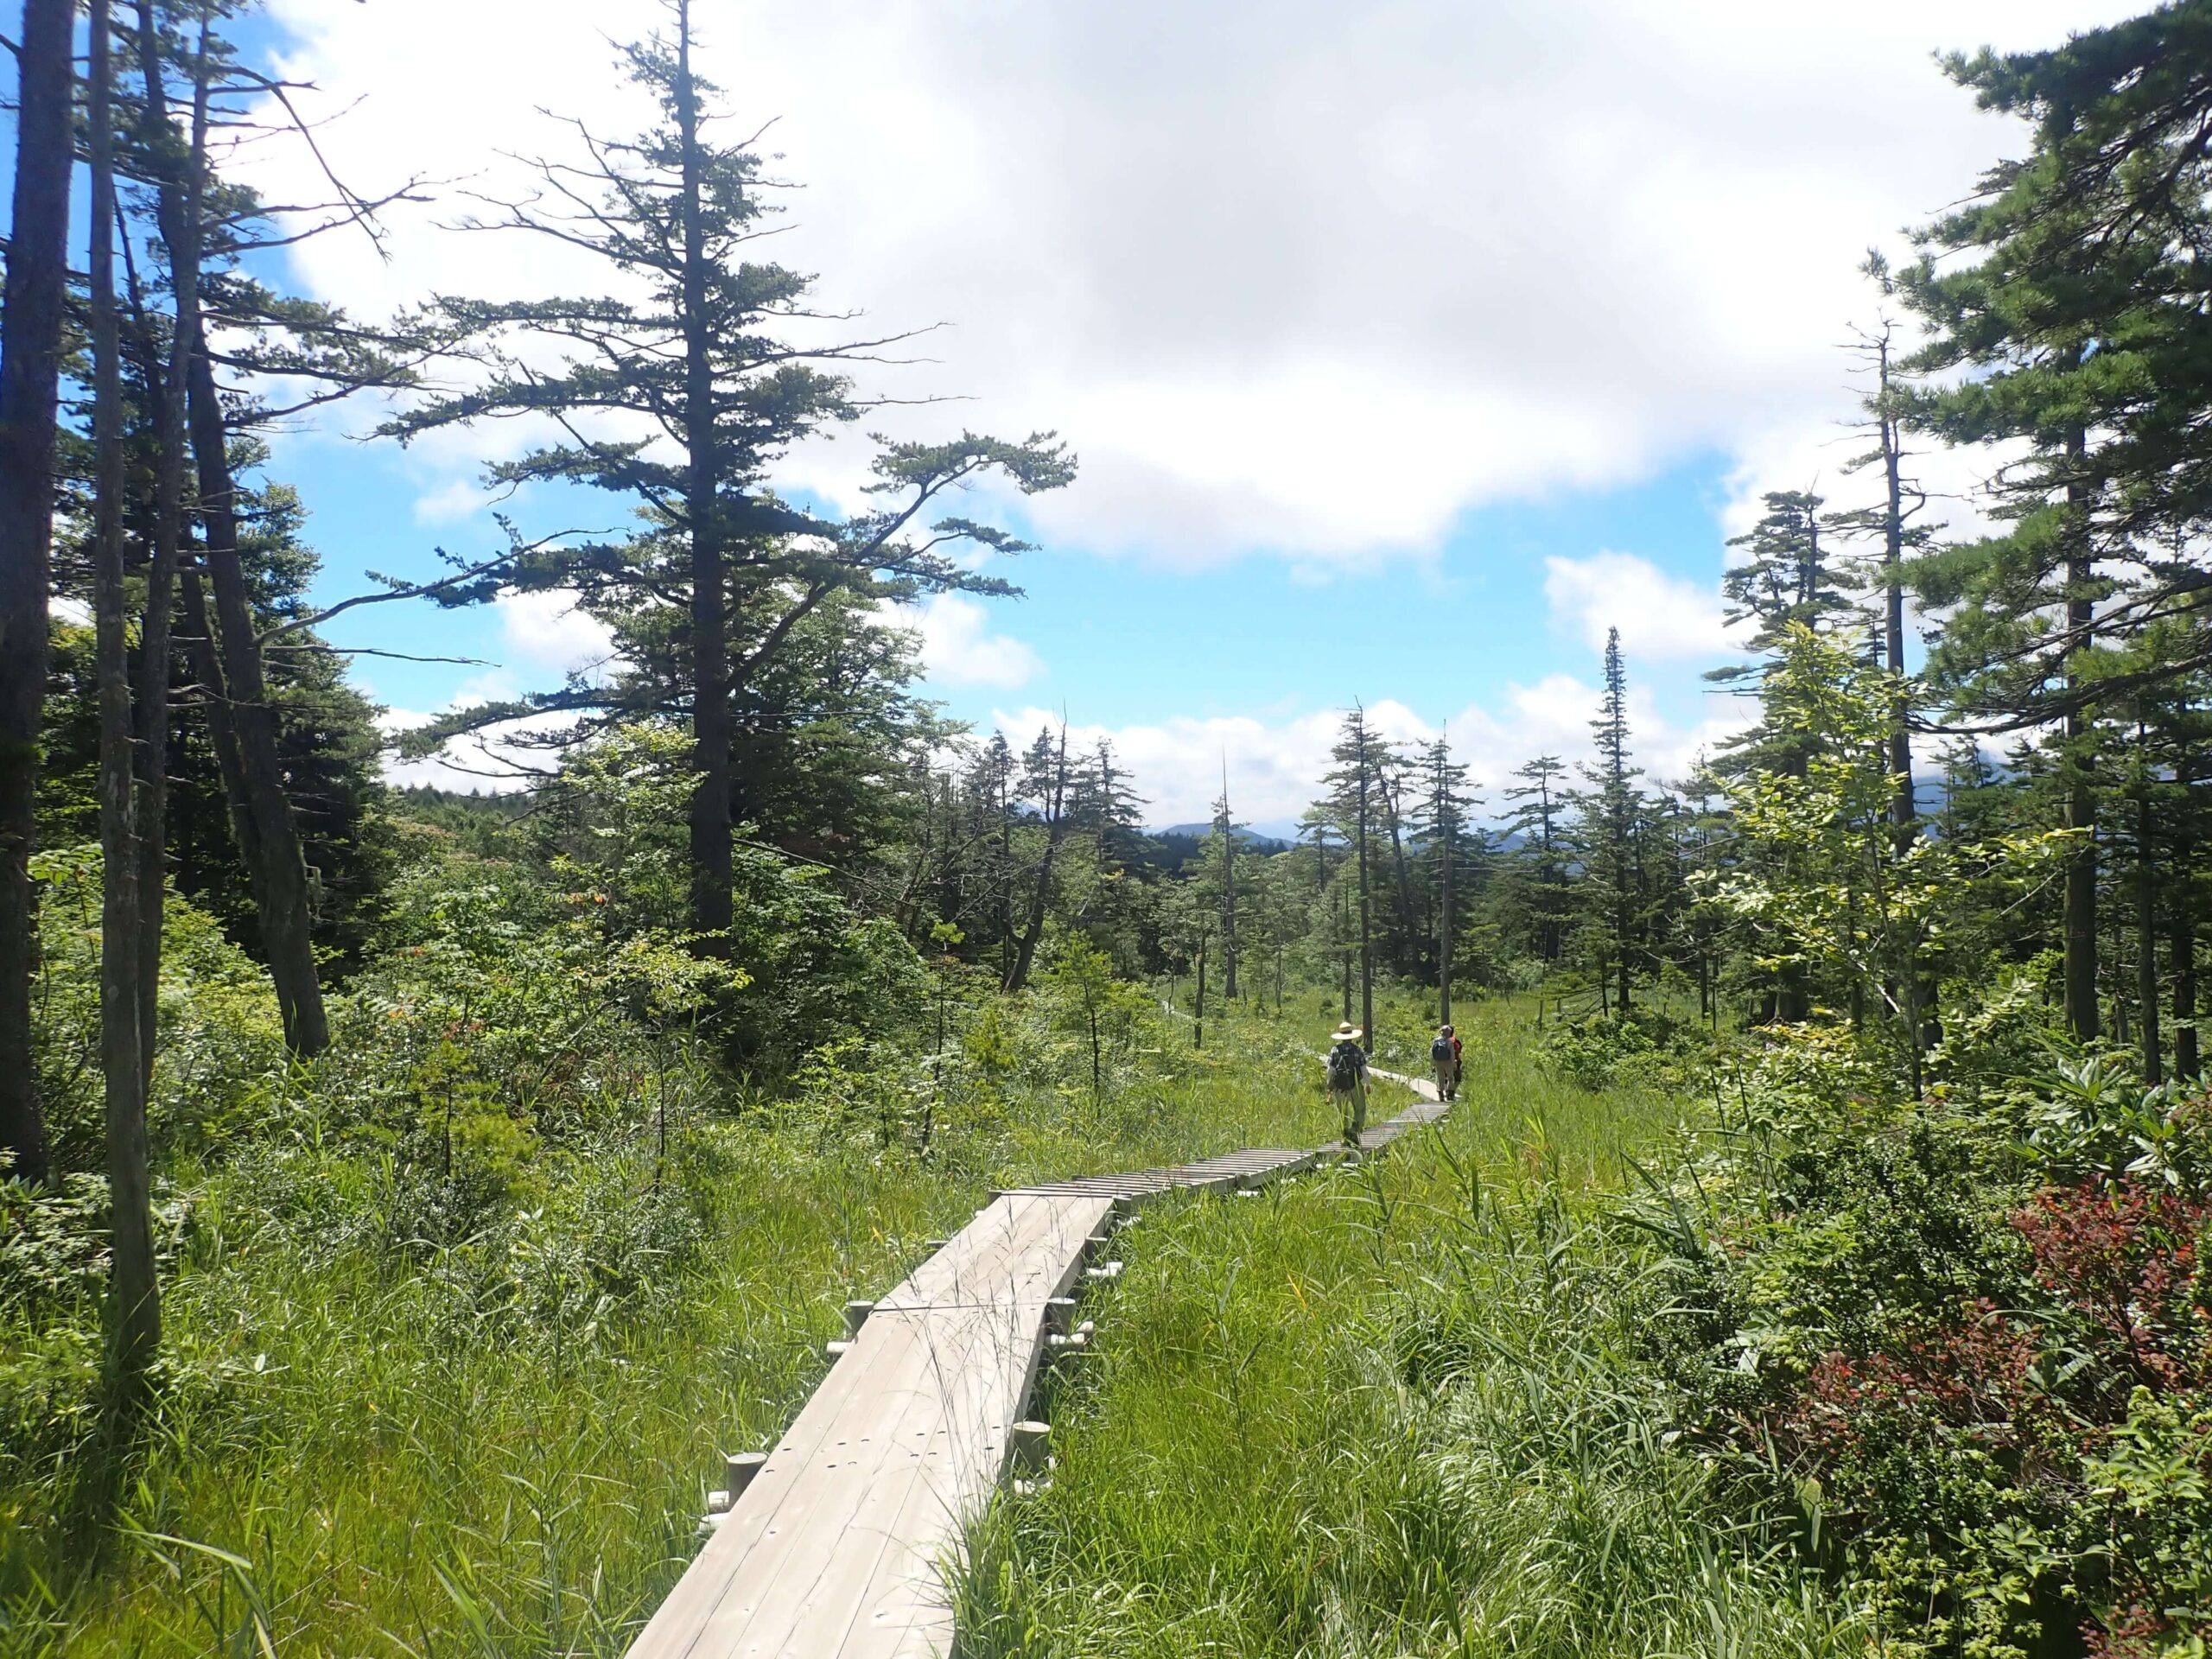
{"x": 833, "y": 1548}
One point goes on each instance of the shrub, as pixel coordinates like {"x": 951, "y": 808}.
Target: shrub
{"x": 1600, "y": 1050}
{"x": 1975, "y": 1364}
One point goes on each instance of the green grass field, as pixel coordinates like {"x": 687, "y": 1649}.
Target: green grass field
{"x": 502, "y": 1447}
{"x": 1388, "y": 1411}
{"x": 1381, "y": 1410}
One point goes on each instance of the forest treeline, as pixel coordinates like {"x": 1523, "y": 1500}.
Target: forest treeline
{"x": 746, "y": 858}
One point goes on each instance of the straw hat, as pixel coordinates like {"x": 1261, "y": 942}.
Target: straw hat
{"x": 1346, "y": 1033}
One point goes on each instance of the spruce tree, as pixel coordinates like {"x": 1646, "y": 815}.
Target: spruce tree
{"x": 2073, "y": 291}
{"x": 697, "y": 336}
{"x": 1537, "y": 821}
{"x": 1448, "y": 843}
{"x": 1611, "y": 812}
{"x": 1354, "y": 781}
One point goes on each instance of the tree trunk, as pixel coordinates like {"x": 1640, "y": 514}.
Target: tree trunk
{"x": 2081, "y": 918}
{"x": 275, "y": 862}
{"x": 222, "y": 732}
{"x": 134, "y": 1317}
{"x": 1402, "y": 881}
{"x": 2183, "y": 947}
{"x": 1228, "y": 895}
{"x": 1199, "y": 1020}
{"x": 269, "y": 842}
{"x": 711, "y": 722}
{"x": 1343, "y": 953}
{"x": 1904, "y": 804}
{"x": 2146, "y": 943}
{"x": 31, "y": 359}
{"x": 165, "y": 387}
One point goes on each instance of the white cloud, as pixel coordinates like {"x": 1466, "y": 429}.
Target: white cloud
{"x": 959, "y": 648}
{"x": 1275, "y": 765}
{"x": 1291, "y": 276}
{"x": 548, "y": 630}
{"x": 1660, "y": 618}
{"x": 492, "y": 761}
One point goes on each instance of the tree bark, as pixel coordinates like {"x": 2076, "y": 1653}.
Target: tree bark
{"x": 269, "y": 840}
{"x": 1401, "y": 877}
{"x": 276, "y": 864}
{"x": 134, "y": 1317}
{"x": 31, "y": 359}
{"x": 712, "y": 724}
{"x": 165, "y": 385}
{"x": 2146, "y": 940}
{"x": 1227, "y": 893}
{"x": 1903, "y": 804}
{"x": 2182, "y": 948}
{"x": 2080, "y": 903}
{"x": 1199, "y": 1020}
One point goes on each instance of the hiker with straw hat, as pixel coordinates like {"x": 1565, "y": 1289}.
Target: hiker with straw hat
{"x": 1347, "y": 1066}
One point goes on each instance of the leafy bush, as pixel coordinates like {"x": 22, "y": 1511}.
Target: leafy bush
{"x": 1599, "y": 1050}
{"x": 1968, "y": 1342}
{"x": 221, "y": 1059}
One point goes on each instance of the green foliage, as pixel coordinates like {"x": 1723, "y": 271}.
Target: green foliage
{"x": 481, "y": 1373}
{"x": 1596, "y": 1051}
{"x": 1389, "y": 1412}
{"x": 220, "y": 1063}
{"x": 1965, "y": 1342}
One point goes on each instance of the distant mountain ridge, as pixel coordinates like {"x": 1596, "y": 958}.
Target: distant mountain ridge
{"x": 1248, "y": 835}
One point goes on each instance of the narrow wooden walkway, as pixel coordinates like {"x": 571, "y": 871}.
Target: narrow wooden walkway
{"x": 833, "y": 1548}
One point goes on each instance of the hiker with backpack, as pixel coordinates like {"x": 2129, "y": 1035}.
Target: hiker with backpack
{"x": 1444, "y": 1055}
{"x": 1347, "y": 1068}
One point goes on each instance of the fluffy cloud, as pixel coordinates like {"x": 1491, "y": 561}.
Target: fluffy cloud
{"x": 1275, "y": 766}
{"x": 493, "y": 761}
{"x": 1660, "y": 618}
{"x": 547, "y": 631}
{"x": 1291, "y": 276}
{"x": 959, "y": 648}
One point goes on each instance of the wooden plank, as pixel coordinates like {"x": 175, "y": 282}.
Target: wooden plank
{"x": 832, "y": 1550}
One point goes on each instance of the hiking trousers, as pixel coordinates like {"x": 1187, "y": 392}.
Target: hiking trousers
{"x": 1353, "y": 1103}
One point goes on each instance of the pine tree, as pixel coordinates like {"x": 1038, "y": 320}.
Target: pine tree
{"x": 1890, "y": 521}
{"x": 710, "y": 590}
{"x": 1448, "y": 844}
{"x": 1222, "y": 848}
{"x": 1611, "y": 812}
{"x": 1537, "y": 821}
{"x": 1356, "y": 786}
{"x": 2073, "y": 289}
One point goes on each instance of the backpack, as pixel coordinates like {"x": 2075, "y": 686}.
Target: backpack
{"x": 1441, "y": 1051}
{"x": 1343, "y": 1067}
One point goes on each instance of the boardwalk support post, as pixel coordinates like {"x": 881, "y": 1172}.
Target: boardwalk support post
{"x": 856, "y": 1316}
{"x": 739, "y": 1468}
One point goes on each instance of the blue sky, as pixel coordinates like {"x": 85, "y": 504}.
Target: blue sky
{"x": 1119, "y": 640}
{"x": 1405, "y": 347}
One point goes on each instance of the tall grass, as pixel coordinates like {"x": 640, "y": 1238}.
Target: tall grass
{"x": 364, "y": 1444}
{"x": 1385, "y": 1411}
